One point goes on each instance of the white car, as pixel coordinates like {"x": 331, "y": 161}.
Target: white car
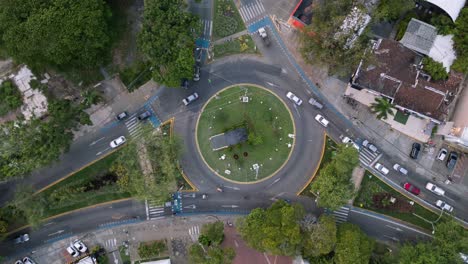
{"x": 190, "y": 99}
{"x": 442, "y": 154}
{"x": 435, "y": 189}
{"x": 348, "y": 141}
{"x": 19, "y": 262}
{"x": 444, "y": 206}
{"x": 381, "y": 168}
{"x": 400, "y": 169}
{"x": 294, "y": 98}
{"x": 27, "y": 260}
{"x": 322, "y": 120}
{"x": 80, "y": 246}
{"x": 72, "y": 251}
{"x": 117, "y": 142}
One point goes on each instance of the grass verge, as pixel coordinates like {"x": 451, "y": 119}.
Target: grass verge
{"x": 242, "y": 44}
{"x": 330, "y": 147}
{"x": 227, "y": 19}
{"x": 373, "y": 196}
{"x": 124, "y": 255}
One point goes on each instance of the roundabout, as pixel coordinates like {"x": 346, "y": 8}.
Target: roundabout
{"x": 245, "y": 133}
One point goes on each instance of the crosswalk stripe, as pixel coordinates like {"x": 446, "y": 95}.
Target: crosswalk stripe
{"x": 156, "y": 218}
{"x": 241, "y": 11}
{"x": 250, "y": 14}
{"x": 340, "y": 213}
{"x": 261, "y": 6}
{"x": 257, "y": 9}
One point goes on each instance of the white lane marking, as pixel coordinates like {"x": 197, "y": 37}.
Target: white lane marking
{"x": 396, "y": 228}
{"x": 275, "y": 181}
{"x": 230, "y": 206}
{"x": 234, "y": 188}
{"x": 56, "y": 233}
{"x": 96, "y": 141}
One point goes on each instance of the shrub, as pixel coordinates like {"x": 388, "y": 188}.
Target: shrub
{"x": 10, "y": 97}
{"x": 435, "y": 69}
{"x": 151, "y": 249}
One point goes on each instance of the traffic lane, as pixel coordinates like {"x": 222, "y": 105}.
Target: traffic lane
{"x": 382, "y": 228}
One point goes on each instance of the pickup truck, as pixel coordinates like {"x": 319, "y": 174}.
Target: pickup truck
{"x": 263, "y": 34}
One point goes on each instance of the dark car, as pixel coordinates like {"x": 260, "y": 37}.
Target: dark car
{"x": 21, "y": 239}
{"x": 452, "y": 160}
{"x": 144, "y": 115}
{"x": 184, "y": 83}
{"x": 122, "y": 115}
{"x": 415, "y": 150}
{"x": 411, "y": 188}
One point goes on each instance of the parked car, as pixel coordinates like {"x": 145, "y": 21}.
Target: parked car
{"x": 452, "y": 160}
{"x": 416, "y": 147}
{"x": 444, "y": 206}
{"x": 144, "y": 115}
{"x": 21, "y": 239}
{"x": 196, "y": 74}
{"x": 204, "y": 196}
{"x": 411, "y": 188}
{"x": 315, "y": 103}
{"x": 294, "y": 98}
{"x": 19, "y": 262}
{"x": 349, "y": 141}
{"x": 381, "y": 168}
{"x": 442, "y": 154}
{"x": 435, "y": 189}
{"x": 190, "y": 99}
{"x": 117, "y": 142}
{"x": 400, "y": 169}
{"x": 27, "y": 260}
{"x": 80, "y": 246}
{"x": 370, "y": 146}
{"x": 73, "y": 251}
{"x": 322, "y": 120}
{"x": 122, "y": 115}
{"x": 184, "y": 83}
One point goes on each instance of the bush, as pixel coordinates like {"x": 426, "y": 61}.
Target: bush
{"x": 151, "y": 249}
{"x": 435, "y": 69}
{"x": 10, "y": 97}
{"x": 135, "y": 75}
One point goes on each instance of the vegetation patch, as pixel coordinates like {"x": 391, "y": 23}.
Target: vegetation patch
{"x": 242, "y": 44}
{"x": 377, "y": 196}
{"x": 10, "y": 97}
{"x": 267, "y": 122}
{"x": 401, "y": 117}
{"x": 227, "y": 19}
{"x": 152, "y": 249}
{"x": 135, "y": 75}
{"x": 124, "y": 255}
{"x": 330, "y": 150}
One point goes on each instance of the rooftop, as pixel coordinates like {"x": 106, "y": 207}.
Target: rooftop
{"x": 451, "y": 7}
{"x": 396, "y": 75}
{"x": 419, "y": 36}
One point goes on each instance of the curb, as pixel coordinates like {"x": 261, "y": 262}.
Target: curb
{"x": 325, "y": 135}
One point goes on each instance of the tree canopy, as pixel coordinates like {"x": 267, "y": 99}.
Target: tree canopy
{"x": 382, "y": 107}
{"x": 435, "y": 69}
{"x": 353, "y": 246}
{"x": 460, "y": 40}
{"x": 167, "y": 39}
{"x": 212, "y": 234}
{"x": 392, "y": 10}
{"x": 321, "y": 238}
{"x": 275, "y": 230}
{"x": 213, "y": 255}
{"x": 60, "y": 33}
{"x": 333, "y": 185}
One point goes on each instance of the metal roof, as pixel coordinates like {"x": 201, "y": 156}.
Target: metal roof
{"x": 451, "y": 7}
{"x": 419, "y": 36}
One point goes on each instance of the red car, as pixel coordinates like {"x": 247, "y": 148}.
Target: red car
{"x": 411, "y": 188}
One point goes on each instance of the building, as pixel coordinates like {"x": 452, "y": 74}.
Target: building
{"x": 451, "y": 7}
{"x": 397, "y": 75}
{"x": 301, "y": 16}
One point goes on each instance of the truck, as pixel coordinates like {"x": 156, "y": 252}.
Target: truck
{"x": 263, "y": 34}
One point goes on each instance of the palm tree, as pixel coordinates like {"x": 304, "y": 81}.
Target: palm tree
{"x": 382, "y": 107}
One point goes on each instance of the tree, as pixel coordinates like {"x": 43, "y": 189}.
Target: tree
{"x": 10, "y": 97}
{"x": 167, "y": 39}
{"x": 460, "y": 40}
{"x": 30, "y": 206}
{"x": 212, "y": 234}
{"x": 333, "y": 185}
{"x": 321, "y": 238}
{"x": 392, "y": 10}
{"x": 435, "y": 69}
{"x": 151, "y": 249}
{"x": 275, "y": 230}
{"x": 3, "y": 226}
{"x": 321, "y": 44}
{"x": 353, "y": 246}
{"x": 382, "y": 107}
{"x": 213, "y": 255}
{"x": 450, "y": 238}
{"x": 60, "y": 33}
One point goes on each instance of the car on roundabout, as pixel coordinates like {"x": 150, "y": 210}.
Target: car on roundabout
{"x": 189, "y": 99}
{"x": 294, "y": 98}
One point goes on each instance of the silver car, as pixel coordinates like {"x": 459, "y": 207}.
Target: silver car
{"x": 400, "y": 169}
{"x": 190, "y": 99}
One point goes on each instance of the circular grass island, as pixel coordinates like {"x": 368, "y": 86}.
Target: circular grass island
{"x": 245, "y": 133}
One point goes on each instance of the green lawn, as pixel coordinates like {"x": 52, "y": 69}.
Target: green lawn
{"x": 400, "y": 117}
{"x": 242, "y": 44}
{"x": 124, "y": 255}
{"x": 264, "y": 115}
{"x": 92, "y": 185}
{"x": 330, "y": 147}
{"x": 227, "y": 19}
{"x": 372, "y": 185}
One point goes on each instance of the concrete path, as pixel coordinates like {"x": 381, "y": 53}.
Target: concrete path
{"x": 233, "y": 36}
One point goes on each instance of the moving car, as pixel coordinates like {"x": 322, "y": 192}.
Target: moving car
{"x": 19, "y": 262}
{"x": 416, "y": 147}
{"x": 21, "y": 239}
{"x": 117, "y": 142}
{"x": 72, "y": 251}
{"x": 184, "y": 83}
{"x": 315, "y": 103}
{"x": 411, "y": 188}
{"x": 442, "y": 154}
{"x": 444, "y": 206}
{"x": 322, "y": 120}
{"x": 27, "y": 260}
{"x": 349, "y": 141}
{"x": 400, "y": 169}
{"x": 204, "y": 196}
{"x": 144, "y": 115}
{"x": 381, "y": 168}
{"x": 263, "y": 34}
{"x": 435, "y": 189}
{"x": 452, "y": 160}
{"x": 122, "y": 115}
{"x": 294, "y": 98}
{"x": 196, "y": 74}
{"x": 190, "y": 99}
{"x": 80, "y": 246}
{"x": 370, "y": 146}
